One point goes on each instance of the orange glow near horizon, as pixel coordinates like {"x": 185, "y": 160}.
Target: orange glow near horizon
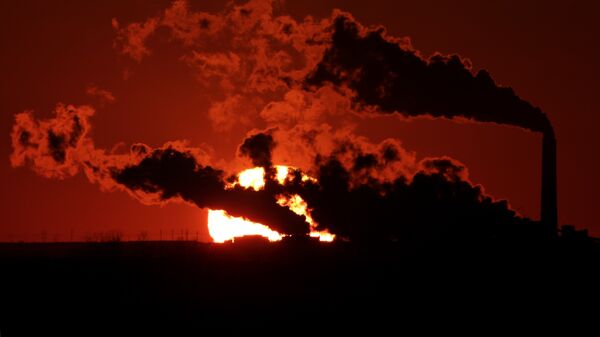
{"x": 223, "y": 227}
{"x": 297, "y": 205}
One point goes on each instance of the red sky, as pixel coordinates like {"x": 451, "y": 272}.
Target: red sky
{"x": 53, "y": 51}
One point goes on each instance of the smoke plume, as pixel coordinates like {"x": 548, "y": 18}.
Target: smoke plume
{"x": 307, "y": 83}
{"x": 355, "y": 196}
{"x": 169, "y": 173}
{"x": 258, "y": 148}
{"x": 59, "y": 147}
{"x": 386, "y": 73}
{"x": 53, "y": 146}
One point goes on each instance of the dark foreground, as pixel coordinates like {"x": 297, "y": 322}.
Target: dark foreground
{"x": 136, "y": 288}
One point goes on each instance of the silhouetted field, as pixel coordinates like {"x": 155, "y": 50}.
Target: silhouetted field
{"x": 139, "y": 287}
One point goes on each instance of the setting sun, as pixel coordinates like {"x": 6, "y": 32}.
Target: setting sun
{"x": 223, "y": 227}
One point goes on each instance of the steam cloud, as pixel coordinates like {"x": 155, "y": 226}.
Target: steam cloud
{"x": 307, "y": 80}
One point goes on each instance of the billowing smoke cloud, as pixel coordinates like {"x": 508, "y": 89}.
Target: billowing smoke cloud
{"x": 262, "y": 51}
{"x": 356, "y": 196}
{"x": 245, "y": 48}
{"x": 169, "y": 173}
{"x": 59, "y": 147}
{"x": 361, "y": 192}
{"x": 248, "y": 51}
{"x": 307, "y": 83}
{"x": 259, "y": 147}
{"x": 54, "y": 145}
{"x": 389, "y": 75}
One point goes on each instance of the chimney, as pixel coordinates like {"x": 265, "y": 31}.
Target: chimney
{"x": 549, "y": 207}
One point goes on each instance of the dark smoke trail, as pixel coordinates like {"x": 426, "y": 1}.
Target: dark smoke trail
{"x": 170, "y": 173}
{"x": 258, "y": 147}
{"x": 436, "y": 202}
{"x": 393, "y": 78}
{"x": 59, "y": 147}
{"x": 363, "y": 191}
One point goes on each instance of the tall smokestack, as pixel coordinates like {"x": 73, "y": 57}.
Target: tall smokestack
{"x": 395, "y": 79}
{"x": 549, "y": 207}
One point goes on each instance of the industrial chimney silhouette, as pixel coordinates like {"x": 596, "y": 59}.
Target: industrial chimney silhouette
{"x": 549, "y": 207}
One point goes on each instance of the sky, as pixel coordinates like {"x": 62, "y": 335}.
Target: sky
{"x": 69, "y": 52}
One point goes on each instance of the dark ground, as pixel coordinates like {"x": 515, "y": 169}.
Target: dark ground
{"x": 140, "y": 288}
